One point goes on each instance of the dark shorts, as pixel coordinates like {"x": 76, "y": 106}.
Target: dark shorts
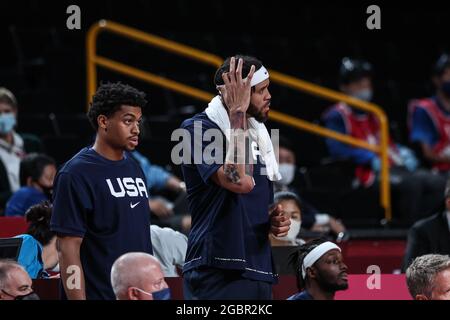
{"x": 222, "y": 284}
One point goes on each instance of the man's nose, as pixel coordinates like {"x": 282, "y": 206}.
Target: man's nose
{"x": 136, "y": 128}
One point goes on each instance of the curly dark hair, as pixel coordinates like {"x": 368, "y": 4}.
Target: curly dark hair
{"x": 110, "y": 97}
{"x": 38, "y": 218}
{"x": 296, "y": 259}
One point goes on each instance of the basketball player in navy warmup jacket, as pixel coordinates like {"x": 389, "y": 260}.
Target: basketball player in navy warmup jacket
{"x": 101, "y": 208}
{"x": 229, "y": 254}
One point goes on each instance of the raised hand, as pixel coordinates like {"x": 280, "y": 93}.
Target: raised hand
{"x": 236, "y": 91}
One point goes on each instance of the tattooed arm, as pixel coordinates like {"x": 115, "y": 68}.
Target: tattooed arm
{"x": 236, "y": 164}
{"x": 235, "y": 175}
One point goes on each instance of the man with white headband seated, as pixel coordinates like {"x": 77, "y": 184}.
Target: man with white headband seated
{"x": 320, "y": 271}
{"x": 229, "y": 254}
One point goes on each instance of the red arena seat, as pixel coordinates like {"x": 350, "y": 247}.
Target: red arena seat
{"x": 12, "y": 226}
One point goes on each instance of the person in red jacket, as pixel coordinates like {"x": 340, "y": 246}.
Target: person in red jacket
{"x": 429, "y": 119}
{"x": 415, "y": 192}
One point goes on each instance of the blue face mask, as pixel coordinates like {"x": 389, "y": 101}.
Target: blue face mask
{"x": 7, "y": 122}
{"x": 29, "y": 296}
{"x": 365, "y": 94}
{"x": 163, "y": 294}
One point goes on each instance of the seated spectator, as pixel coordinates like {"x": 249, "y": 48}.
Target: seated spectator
{"x": 429, "y": 119}
{"x": 15, "y": 283}
{"x": 166, "y": 213}
{"x": 415, "y": 192}
{"x": 430, "y": 235}
{"x": 169, "y": 247}
{"x": 320, "y": 271}
{"x": 13, "y": 146}
{"x": 138, "y": 276}
{"x": 312, "y": 218}
{"x": 37, "y": 172}
{"x": 157, "y": 177}
{"x": 291, "y": 206}
{"x": 38, "y": 252}
{"x": 428, "y": 277}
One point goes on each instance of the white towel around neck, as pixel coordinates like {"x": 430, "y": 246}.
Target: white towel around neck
{"x": 217, "y": 113}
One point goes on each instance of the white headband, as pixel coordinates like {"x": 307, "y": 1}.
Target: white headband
{"x": 315, "y": 255}
{"x": 259, "y": 76}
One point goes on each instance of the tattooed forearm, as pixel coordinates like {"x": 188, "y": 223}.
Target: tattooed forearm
{"x": 237, "y": 120}
{"x": 237, "y": 163}
{"x": 232, "y": 173}
{"x": 249, "y": 169}
{"x": 236, "y": 151}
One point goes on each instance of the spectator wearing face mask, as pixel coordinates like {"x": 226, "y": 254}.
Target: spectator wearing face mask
{"x": 320, "y": 271}
{"x": 415, "y": 192}
{"x": 138, "y": 276}
{"x": 13, "y": 146}
{"x": 291, "y": 207}
{"x": 37, "y": 172}
{"x": 15, "y": 283}
{"x": 312, "y": 218}
{"x": 430, "y": 117}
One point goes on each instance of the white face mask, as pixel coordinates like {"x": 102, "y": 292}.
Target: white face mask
{"x": 365, "y": 94}
{"x": 287, "y": 171}
{"x": 293, "y": 232}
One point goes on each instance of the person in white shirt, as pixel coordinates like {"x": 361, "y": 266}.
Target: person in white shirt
{"x": 13, "y": 146}
{"x": 169, "y": 247}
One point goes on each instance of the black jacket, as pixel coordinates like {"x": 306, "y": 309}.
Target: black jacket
{"x": 430, "y": 235}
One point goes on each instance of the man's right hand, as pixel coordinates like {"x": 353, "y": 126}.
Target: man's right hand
{"x": 236, "y": 91}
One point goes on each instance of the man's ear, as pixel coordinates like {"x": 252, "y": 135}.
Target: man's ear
{"x": 421, "y": 297}
{"x": 311, "y": 272}
{"x": 132, "y": 294}
{"x": 102, "y": 122}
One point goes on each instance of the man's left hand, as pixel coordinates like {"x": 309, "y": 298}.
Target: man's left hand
{"x": 279, "y": 222}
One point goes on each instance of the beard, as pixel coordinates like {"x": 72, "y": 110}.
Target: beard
{"x": 331, "y": 286}
{"x": 259, "y": 115}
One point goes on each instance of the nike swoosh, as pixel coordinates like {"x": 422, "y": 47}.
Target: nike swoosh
{"x": 134, "y": 205}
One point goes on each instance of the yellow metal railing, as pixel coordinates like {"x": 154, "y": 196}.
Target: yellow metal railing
{"x": 94, "y": 60}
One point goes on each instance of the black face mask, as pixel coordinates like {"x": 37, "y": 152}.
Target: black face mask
{"x": 30, "y": 296}
{"x": 48, "y": 191}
